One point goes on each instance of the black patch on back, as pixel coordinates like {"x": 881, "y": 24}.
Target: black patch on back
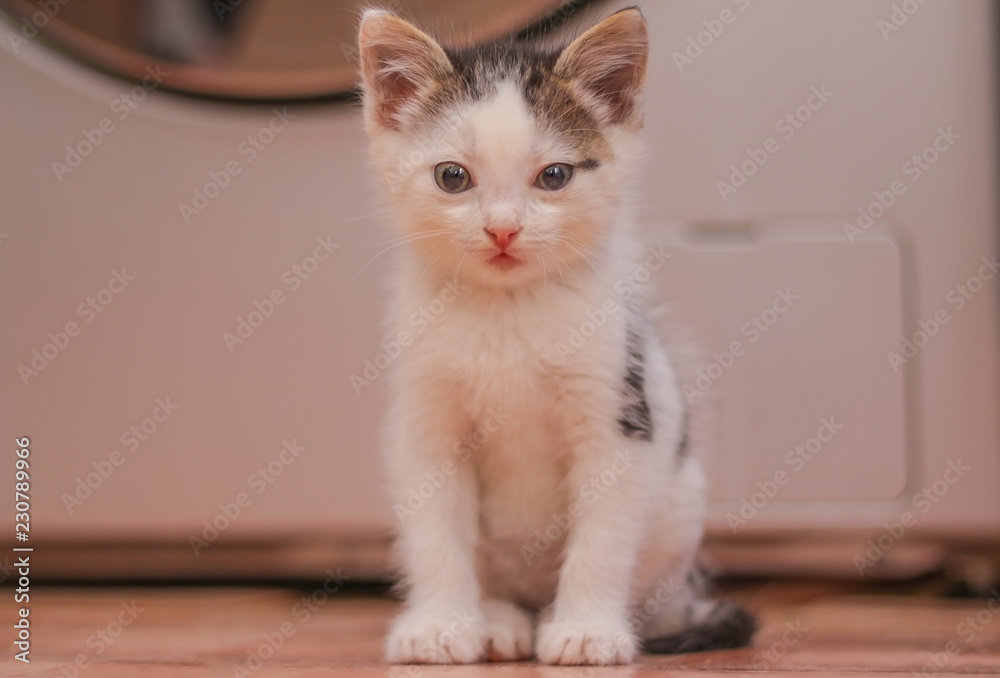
{"x": 636, "y": 420}
{"x": 728, "y": 626}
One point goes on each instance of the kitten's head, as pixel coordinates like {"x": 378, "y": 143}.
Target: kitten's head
{"x": 505, "y": 162}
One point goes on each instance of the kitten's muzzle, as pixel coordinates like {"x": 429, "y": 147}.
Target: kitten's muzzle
{"x": 502, "y": 236}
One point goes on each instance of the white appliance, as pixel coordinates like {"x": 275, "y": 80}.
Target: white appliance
{"x": 190, "y": 285}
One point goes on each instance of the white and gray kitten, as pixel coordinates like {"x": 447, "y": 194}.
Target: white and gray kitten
{"x": 549, "y": 505}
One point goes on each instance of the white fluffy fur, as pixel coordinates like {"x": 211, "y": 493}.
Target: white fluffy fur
{"x": 500, "y": 346}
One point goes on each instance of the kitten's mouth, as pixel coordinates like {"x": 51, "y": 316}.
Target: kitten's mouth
{"x": 504, "y": 261}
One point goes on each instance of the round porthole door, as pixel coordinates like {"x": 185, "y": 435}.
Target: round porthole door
{"x": 254, "y": 49}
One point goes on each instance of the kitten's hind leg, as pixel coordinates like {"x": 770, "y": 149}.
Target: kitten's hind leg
{"x": 509, "y": 631}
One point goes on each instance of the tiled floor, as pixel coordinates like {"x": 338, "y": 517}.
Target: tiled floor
{"x": 808, "y": 630}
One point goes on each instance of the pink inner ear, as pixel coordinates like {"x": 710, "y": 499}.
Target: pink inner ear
{"x": 609, "y": 61}
{"x": 399, "y": 62}
{"x": 394, "y": 89}
{"x": 618, "y": 89}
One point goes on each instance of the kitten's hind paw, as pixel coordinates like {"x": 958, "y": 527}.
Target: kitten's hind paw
{"x": 726, "y": 626}
{"x": 435, "y": 637}
{"x": 582, "y": 644}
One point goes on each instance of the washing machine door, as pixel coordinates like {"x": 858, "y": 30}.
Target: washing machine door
{"x": 257, "y": 49}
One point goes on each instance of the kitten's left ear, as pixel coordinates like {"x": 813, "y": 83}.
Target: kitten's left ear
{"x": 608, "y": 63}
{"x": 399, "y": 65}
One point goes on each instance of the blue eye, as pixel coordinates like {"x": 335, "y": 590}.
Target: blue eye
{"x": 554, "y": 177}
{"x": 452, "y": 177}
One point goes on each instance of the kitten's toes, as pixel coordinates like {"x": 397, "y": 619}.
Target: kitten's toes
{"x": 508, "y": 631}
{"x": 436, "y": 637}
{"x": 572, "y": 643}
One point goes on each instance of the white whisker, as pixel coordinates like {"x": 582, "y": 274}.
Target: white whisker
{"x": 419, "y": 236}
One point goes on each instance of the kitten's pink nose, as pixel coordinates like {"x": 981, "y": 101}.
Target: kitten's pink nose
{"x": 503, "y": 236}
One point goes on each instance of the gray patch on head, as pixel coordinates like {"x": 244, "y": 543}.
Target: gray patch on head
{"x": 479, "y": 70}
{"x": 636, "y": 419}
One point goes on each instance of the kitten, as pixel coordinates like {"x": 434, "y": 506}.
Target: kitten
{"x": 548, "y": 500}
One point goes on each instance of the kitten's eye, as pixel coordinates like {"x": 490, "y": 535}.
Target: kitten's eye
{"x": 452, "y": 177}
{"x": 554, "y": 177}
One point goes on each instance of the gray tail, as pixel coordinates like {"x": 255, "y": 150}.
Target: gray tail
{"x": 726, "y": 627}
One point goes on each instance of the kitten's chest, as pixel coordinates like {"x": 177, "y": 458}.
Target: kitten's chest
{"x": 507, "y": 359}
{"x": 503, "y": 368}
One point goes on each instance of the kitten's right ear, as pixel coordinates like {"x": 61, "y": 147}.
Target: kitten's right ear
{"x": 399, "y": 66}
{"x": 608, "y": 64}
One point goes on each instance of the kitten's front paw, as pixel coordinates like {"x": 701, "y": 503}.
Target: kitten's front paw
{"x": 572, "y": 643}
{"x": 508, "y": 631}
{"x": 435, "y": 637}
